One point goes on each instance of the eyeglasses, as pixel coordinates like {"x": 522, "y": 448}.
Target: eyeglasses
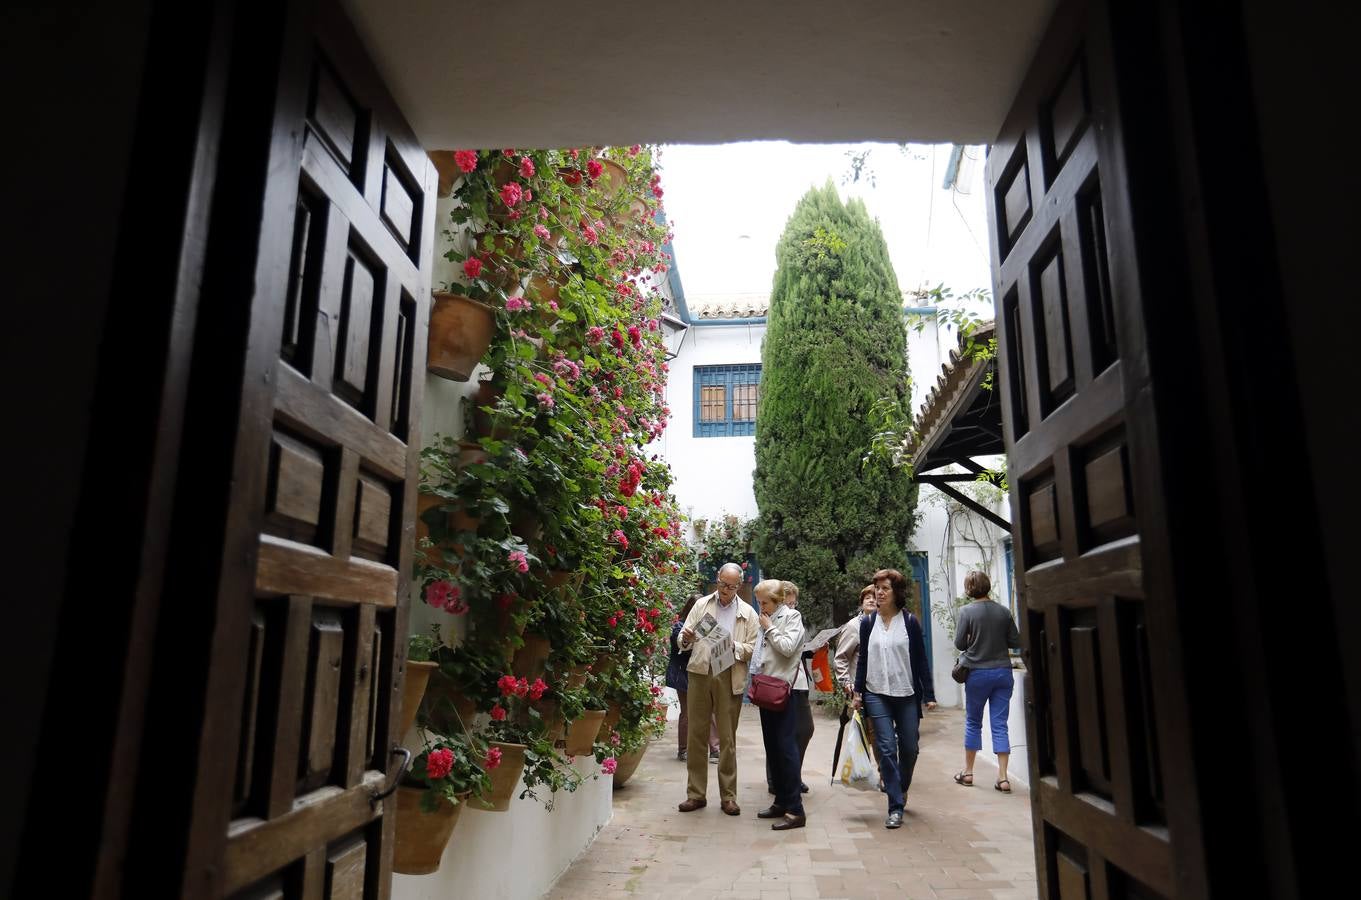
{"x": 728, "y": 586}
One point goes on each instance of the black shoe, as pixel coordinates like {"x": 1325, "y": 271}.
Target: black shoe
{"x": 773, "y": 812}
{"x": 713, "y": 756}
{"x": 680, "y": 755}
{"x": 894, "y": 820}
{"x": 770, "y": 790}
{"x": 803, "y": 788}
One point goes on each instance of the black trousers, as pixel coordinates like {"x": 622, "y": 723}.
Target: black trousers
{"x": 803, "y": 732}
{"x": 782, "y": 755}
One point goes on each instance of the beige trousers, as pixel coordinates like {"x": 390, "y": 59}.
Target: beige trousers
{"x": 712, "y": 696}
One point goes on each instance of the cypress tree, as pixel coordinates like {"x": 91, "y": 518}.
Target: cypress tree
{"x": 835, "y": 344}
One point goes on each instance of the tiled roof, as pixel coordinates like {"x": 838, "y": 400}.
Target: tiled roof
{"x": 729, "y": 306}
{"x": 951, "y": 396}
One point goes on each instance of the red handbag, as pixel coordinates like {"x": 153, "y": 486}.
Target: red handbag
{"x": 768, "y": 692}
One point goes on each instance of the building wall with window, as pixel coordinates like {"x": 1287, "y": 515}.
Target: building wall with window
{"x": 712, "y": 446}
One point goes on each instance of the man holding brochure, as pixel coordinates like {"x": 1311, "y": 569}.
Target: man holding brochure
{"x": 720, "y": 632}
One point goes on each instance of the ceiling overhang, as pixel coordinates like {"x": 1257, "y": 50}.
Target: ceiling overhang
{"x": 518, "y": 73}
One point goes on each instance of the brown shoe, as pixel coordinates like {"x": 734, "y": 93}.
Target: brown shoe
{"x": 692, "y": 804}
{"x": 788, "y": 822}
{"x": 730, "y": 807}
{"x": 774, "y": 812}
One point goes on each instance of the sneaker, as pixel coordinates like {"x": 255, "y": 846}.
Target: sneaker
{"x": 894, "y": 820}
{"x": 680, "y": 755}
{"x": 713, "y": 756}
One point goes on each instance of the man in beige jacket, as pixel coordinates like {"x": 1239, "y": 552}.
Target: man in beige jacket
{"x": 719, "y": 695}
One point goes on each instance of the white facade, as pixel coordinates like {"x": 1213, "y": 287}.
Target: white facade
{"x": 713, "y": 474}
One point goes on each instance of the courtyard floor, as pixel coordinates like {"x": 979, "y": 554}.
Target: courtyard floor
{"x": 955, "y": 842}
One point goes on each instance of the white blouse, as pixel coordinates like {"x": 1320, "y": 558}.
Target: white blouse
{"x": 888, "y": 664}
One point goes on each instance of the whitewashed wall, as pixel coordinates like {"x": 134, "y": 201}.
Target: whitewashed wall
{"x": 713, "y": 474}
{"x": 475, "y": 864}
{"x": 951, "y": 541}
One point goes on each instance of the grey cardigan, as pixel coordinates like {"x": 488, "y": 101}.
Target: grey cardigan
{"x": 984, "y": 630}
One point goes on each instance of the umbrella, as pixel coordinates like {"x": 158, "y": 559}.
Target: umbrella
{"x": 840, "y": 734}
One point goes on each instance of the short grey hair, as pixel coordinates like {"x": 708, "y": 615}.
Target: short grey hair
{"x": 734, "y": 568}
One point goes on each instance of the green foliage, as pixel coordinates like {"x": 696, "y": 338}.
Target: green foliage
{"x": 835, "y": 346}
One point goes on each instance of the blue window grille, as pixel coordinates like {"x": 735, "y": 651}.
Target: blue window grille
{"x": 725, "y": 400}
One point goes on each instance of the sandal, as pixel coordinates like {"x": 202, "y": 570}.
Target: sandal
{"x": 1005, "y": 790}
{"x": 960, "y": 778}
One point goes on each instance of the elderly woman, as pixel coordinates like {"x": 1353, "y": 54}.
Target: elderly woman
{"x": 893, "y": 681}
{"x": 778, "y": 645}
{"x": 803, "y": 709}
{"x": 848, "y": 640}
{"x": 984, "y": 632}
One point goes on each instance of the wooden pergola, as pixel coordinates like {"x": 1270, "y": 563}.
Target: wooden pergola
{"x": 961, "y": 419}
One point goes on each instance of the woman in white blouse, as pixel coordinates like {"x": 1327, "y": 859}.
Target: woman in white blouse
{"x": 893, "y": 681}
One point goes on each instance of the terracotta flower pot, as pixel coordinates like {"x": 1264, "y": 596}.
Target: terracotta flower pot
{"x": 413, "y": 689}
{"x": 525, "y": 522}
{"x": 470, "y": 454}
{"x": 627, "y": 764}
{"x": 422, "y": 836}
{"x": 460, "y": 332}
{"x": 612, "y": 178}
{"x": 505, "y": 778}
{"x": 612, "y": 716}
{"x": 554, "y": 722}
{"x": 581, "y": 734}
{"x": 576, "y": 677}
{"x": 444, "y": 699}
{"x": 424, "y": 503}
{"x": 484, "y": 424}
{"x": 529, "y": 659}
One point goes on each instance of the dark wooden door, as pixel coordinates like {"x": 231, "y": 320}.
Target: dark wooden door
{"x": 316, "y": 302}
{"x": 316, "y": 647}
{"x": 1112, "y": 785}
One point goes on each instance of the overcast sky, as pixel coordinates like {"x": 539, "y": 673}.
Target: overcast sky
{"x": 728, "y": 205}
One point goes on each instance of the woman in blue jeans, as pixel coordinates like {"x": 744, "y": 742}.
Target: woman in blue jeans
{"x": 893, "y": 682}
{"x": 984, "y": 632}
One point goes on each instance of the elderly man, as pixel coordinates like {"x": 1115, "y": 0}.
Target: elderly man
{"x": 717, "y": 694}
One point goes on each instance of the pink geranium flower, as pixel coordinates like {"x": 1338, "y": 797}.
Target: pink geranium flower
{"x": 515, "y": 304}
{"x": 493, "y": 758}
{"x": 609, "y": 765}
{"x": 589, "y": 235}
{"x": 439, "y": 593}
{"x": 511, "y": 194}
{"x": 517, "y": 558}
{"x": 466, "y": 160}
{"x": 595, "y": 334}
{"x": 526, "y": 167}
{"x": 438, "y": 763}
{"x": 546, "y": 401}
{"x": 541, "y": 233}
{"x": 536, "y": 690}
{"x": 498, "y": 713}
{"x": 594, "y": 167}
{"x": 472, "y": 267}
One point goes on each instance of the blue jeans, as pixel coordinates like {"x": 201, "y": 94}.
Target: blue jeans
{"x": 993, "y": 687}
{"x": 778, "y": 729}
{"x": 895, "y": 722}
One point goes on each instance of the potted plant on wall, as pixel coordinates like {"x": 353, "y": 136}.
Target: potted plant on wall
{"x": 420, "y": 664}
{"x": 447, "y": 773}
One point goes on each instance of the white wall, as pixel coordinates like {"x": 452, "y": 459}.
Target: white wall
{"x": 713, "y": 474}
{"x": 475, "y": 864}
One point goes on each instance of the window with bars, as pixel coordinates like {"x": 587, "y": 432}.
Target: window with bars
{"x": 726, "y": 398}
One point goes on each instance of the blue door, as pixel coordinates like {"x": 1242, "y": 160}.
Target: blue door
{"x": 921, "y": 574}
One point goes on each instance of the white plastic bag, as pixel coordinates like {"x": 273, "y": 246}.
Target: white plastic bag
{"x": 855, "y": 766}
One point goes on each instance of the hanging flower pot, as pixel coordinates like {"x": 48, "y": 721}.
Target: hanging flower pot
{"x": 484, "y": 424}
{"x": 525, "y": 522}
{"x": 461, "y": 330}
{"x": 612, "y": 716}
{"x": 505, "y": 778}
{"x": 422, "y": 836}
{"x": 576, "y": 677}
{"x": 627, "y": 764}
{"x": 554, "y": 723}
{"x": 447, "y": 708}
{"x": 581, "y": 734}
{"x": 613, "y": 178}
{"x": 413, "y": 689}
{"x": 470, "y": 454}
{"x": 425, "y": 503}
{"x": 529, "y": 659}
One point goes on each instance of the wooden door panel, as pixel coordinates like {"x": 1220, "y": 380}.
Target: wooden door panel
{"x": 1097, "y": 766}
{"x": 323, "y": 662}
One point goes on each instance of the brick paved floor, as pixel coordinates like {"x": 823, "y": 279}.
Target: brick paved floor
{"x": 955, "y": 842}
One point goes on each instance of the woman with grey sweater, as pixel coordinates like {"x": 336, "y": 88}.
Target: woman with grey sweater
{"x": 984, "y": 631}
